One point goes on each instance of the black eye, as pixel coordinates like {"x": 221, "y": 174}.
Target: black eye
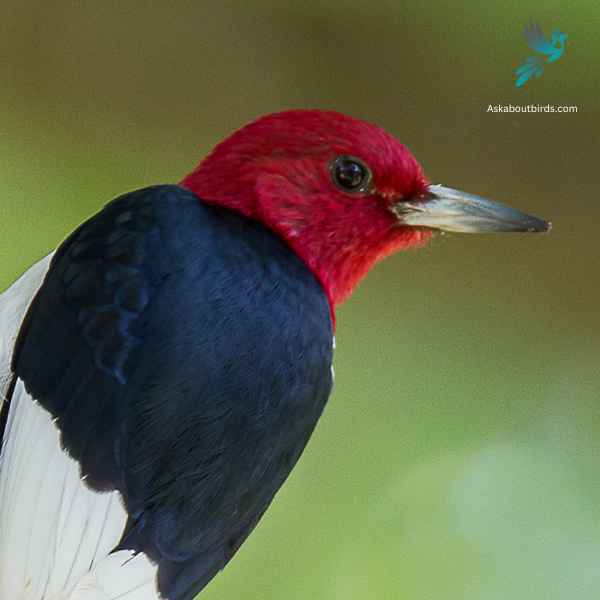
{"x": 350, "y": 174}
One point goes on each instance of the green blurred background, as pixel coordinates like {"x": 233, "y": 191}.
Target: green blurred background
{"x": 459, "y": 457}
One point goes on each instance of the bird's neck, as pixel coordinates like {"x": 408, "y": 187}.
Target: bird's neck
{"x": 338, "y": 250}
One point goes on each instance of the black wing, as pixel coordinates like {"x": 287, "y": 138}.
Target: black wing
{"x": 185, "y": 352}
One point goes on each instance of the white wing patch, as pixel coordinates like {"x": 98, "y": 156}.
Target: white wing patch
{"x": 14, "y": 302}
{"x": 56, "y": 533}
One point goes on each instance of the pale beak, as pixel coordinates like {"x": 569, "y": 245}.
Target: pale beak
{"x": 452, "y": 210}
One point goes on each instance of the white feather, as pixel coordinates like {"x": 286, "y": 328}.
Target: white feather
{"x": 56, "y": 534}
{"x": 14, "y": 302}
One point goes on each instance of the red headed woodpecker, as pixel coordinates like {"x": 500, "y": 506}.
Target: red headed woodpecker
{"x": 162, "y": 370}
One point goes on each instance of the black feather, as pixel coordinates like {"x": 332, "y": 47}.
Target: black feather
{"x": 186, "y": 353}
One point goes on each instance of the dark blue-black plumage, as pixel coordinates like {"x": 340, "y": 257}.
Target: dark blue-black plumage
{"x": 185, "y": 351}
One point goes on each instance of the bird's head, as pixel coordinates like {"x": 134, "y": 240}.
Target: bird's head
{"x": 342, "y": 192}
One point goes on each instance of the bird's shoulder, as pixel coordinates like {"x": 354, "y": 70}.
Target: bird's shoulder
{"x": 161, "y": 253}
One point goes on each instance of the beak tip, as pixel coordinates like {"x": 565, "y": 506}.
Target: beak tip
{"x": 448, "y": 209}
{"x": 541, "y": 227}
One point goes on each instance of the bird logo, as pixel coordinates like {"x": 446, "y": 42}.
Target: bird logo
{"x": 552, "y": 50}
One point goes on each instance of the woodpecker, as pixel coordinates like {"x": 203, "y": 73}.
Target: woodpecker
{"x": 163, "y": 369}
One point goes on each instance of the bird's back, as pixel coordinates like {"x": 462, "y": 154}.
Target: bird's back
{"x": 184, "y": 353}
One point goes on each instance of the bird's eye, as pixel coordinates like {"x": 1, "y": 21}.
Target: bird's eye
{"x": 350, "y": 174}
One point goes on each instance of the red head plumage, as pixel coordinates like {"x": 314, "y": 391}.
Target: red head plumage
{"x": 278, "y": 170}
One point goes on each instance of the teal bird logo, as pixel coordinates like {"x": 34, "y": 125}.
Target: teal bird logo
{"x": 550, "y": 50}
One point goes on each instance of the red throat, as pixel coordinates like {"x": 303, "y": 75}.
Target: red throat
{"x": 276, "y": 170}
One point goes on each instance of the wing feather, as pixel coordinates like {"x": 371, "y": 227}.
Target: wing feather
{"x": 56, "y": 533}
{"x": 536, "y": 40}
{"x": 13, "y": 305}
